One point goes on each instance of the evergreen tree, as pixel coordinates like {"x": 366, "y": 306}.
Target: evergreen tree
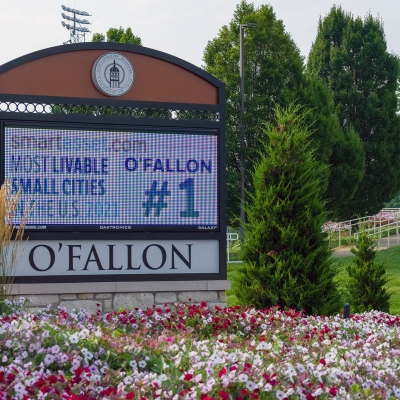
{"x": 350, "y": 55}
{"x": 367, "y": 279}
{"x": 287, "y": 260}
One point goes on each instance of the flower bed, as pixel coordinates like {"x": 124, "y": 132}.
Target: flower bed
{"x": 189, "y": 352}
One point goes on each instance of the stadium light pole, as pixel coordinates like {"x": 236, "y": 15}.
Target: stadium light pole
{"x": 77, "y": 33}
{"x": 242, "y": 175}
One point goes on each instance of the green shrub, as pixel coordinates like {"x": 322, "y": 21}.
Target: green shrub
{"x": 286, "y": 255}
{"x": 367, "y": 279}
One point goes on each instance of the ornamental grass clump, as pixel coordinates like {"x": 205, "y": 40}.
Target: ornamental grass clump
{"x": 10, "y": 238}
{"x": 287, "y": 260}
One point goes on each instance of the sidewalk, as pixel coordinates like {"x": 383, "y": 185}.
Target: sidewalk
{"x": 383, "y": 244}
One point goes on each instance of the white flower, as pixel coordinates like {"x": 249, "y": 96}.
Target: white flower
{"x": 163, "y": 377}
{"x": 142, "y": 364}
{"x": 268, "y": 387}
{"x": 128, "y": 380}
{"x": 264, "y": 346}
{"x": 317, "y": 392}
{"x": 243, "y": 378}
{"x": 280, "y": 395}
{"x": 19, "y": 389}
{"x": 74, "y": 338}
{"x": 49, "y": 359}
{"x": 300, "y": 367}
{"x": 55, "y": 349}
{"x": 88, "y": 355}
{"x": 366, "y": 386}
{"x": 251, "y": 385}
{"x": 173, "y": 347}
{"x": 93, "y": 368}
{"x": 133, "y": 364}
{"x": 396, "y": 392}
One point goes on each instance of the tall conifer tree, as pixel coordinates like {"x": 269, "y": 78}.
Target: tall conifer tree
{"x": 287, "y": 261}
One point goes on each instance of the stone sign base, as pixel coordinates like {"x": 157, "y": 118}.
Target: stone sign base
{"x": 111, "y": 296}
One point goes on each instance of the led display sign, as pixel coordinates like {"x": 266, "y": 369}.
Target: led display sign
{"x": 107, "y": 180}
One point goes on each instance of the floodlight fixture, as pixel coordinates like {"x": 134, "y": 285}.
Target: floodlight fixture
{"x": 80, "y": 21}
{"x": 76, "y": 28}
{"x": 76, "y": 11}
{"x": 77, "y": 32}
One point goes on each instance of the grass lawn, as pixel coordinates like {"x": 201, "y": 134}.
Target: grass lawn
{"x": 390, "y": 257}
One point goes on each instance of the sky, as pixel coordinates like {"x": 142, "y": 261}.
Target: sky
{"x": 178, "y": 27}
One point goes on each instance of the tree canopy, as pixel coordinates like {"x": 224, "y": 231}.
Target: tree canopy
{"x": 118, "y": 35}
{"x": 274, "y": 76}
{"x": 273, "y": 72}
{"x": 350, "y": 55}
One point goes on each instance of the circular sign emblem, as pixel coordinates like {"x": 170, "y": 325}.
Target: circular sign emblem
{"x": 113, "y": 74}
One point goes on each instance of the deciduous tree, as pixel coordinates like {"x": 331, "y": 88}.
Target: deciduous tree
{"x": 118, "y": 35}
{"x": 350, "y": 55}
{"x": 274, "y": 76}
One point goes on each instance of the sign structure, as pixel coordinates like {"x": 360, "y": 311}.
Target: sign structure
{"x": 124, "y": 172}
{"x": 113, "y": 74}
{"x": 107, "y": 180}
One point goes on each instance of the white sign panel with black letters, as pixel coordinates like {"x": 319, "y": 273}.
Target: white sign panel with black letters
{"x": 107, "y": 257}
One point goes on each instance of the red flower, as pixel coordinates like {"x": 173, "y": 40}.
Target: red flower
{"x": 223, "y": 395}
{"x": 247, "y": 367}
{"x": 188, "y": 377}
{"x": 333, "y": 391}
{"x": 39, "y": 383}
{"x": 222, "y": 372}
{"x": 45, "y": 389}
{"x": 108, "y": 391}
{"x": 322, "y": 361}
{"x": 52, "y": 379}
{"x": 130, "y": 395}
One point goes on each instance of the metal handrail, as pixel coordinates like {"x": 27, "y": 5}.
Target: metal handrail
{"x": 381, "y": 223}
{"x": 230, "y": 237}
